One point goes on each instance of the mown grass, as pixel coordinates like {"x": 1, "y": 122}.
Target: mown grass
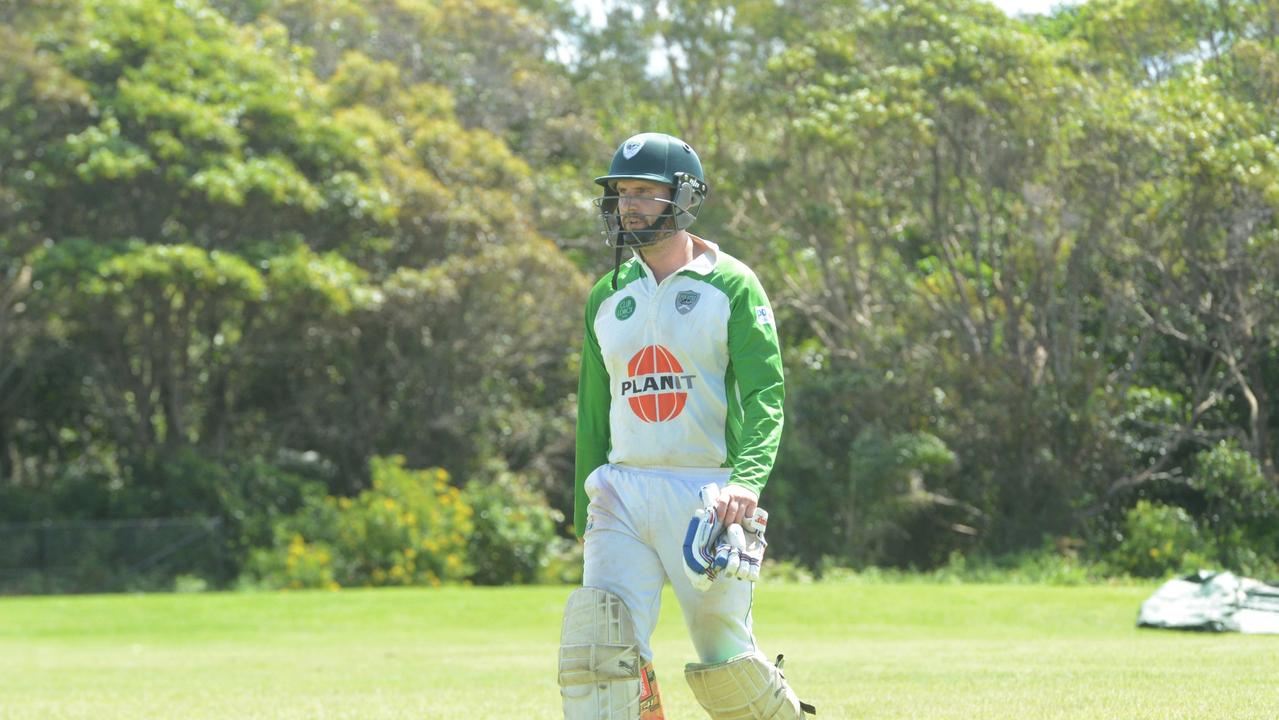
{"x": 910, "y": 650}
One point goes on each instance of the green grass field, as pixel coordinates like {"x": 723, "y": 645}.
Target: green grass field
{"x": 855, "y": 650}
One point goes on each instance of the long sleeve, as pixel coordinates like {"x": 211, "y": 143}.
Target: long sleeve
{"x": 754, "y": 428}
{"x": 593, "y": 399}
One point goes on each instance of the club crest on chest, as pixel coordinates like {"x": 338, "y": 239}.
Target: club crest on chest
{"x": 686, "y": 300}
{"x": 625, "y": 308}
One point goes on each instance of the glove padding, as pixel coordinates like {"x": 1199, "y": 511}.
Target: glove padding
{"x": 740, "y": 550}
{"x": 711, "y": 552}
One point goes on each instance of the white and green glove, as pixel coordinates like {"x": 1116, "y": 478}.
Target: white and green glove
{"x": 740, "y": 551}
{"x": 712, "y": 551}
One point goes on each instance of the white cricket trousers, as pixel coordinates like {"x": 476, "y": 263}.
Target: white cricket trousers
{"x": 636, "y": 522}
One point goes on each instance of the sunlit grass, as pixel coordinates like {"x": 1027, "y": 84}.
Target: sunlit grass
{"x": 855, "y": 650}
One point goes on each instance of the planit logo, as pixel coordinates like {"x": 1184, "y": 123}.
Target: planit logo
{"x": 657, "y": 386}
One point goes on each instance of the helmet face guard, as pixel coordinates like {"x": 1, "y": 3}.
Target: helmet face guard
{"x": 657, "y": 158}
{"x": 679, "y": 213}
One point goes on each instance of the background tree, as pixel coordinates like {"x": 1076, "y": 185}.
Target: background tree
{"x": 230, "y": 278}
{"x": 1024, "y": 268}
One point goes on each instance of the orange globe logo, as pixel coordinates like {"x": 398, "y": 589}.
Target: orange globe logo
{"x": 657, "y": 386}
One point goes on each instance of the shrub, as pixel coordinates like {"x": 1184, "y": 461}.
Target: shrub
{"x": 1159, "y": 540}
{"x": 301, "y": 564}
{"x": 410, "y": 528}
{"x": 515, "y": 538}
{"x": 1241, "y": 509}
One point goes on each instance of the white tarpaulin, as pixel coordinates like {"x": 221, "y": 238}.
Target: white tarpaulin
{"x": 1213, "y": 601}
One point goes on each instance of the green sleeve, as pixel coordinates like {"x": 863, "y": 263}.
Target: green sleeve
{"x": 593, "y": 399}
{"x": 755, "y": 366}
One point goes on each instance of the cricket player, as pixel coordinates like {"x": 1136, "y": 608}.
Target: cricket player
{"x": 679, "y": 418}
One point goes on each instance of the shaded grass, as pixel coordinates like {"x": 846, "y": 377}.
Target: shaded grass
{"x": 857, "y": 651}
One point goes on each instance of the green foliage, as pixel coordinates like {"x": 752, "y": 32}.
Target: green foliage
{"x": 515, "y": 533}
{"x": 1231, "y": 479}
{"x": 409, "y": 528}
{"x": 1160, "y": 540}
{"x": 888, "y": 478}
{"x": 1057, "y": 561}
{"x": 221, "y": 125}
{"x": 199, "y": 234}
{"x": 413, "y": 528}
{"x": 1242, "y": 509}
{"x": 1025, "y": 271}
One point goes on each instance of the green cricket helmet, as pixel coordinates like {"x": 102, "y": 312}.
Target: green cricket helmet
{"x": 659, "y": 158}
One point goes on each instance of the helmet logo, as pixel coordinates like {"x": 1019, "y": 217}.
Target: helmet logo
{"x": 632, "y": 148}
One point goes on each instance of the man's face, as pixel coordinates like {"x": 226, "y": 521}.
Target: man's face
{"x": 641, "y": 202}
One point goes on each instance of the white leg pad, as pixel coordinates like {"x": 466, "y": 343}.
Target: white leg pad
{"x": 747, "y": 687}
{"x": 599, "y": 658}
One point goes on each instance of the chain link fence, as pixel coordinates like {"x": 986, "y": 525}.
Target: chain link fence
{"x": 92, "y": 556}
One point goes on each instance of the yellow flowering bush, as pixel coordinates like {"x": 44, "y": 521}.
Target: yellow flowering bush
{"x": 410, "y": 528}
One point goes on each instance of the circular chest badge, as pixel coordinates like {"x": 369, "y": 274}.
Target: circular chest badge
{"x": 657, "y": 386}
{"x": 625, "y": 308}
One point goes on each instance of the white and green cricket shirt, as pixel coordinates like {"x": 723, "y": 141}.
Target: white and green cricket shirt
{"x": 685, "y": 373}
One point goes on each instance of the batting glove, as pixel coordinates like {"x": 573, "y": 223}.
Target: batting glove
{"x": 702, "y": 539}
{"x": 739, "y": 552}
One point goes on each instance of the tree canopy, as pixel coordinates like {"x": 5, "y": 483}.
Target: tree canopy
{"x": 1026, "y": 269}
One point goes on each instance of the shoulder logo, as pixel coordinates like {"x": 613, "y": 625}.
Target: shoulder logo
{"x": 625, "y": 308}
{"x": 632, "y": 148}
{"x": 764, "y": 315}
{"x": 686, "y": 300}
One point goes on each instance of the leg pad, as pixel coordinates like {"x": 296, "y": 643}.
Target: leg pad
{"x": 747, "y": 687}
{"x": 600, "y": 663}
